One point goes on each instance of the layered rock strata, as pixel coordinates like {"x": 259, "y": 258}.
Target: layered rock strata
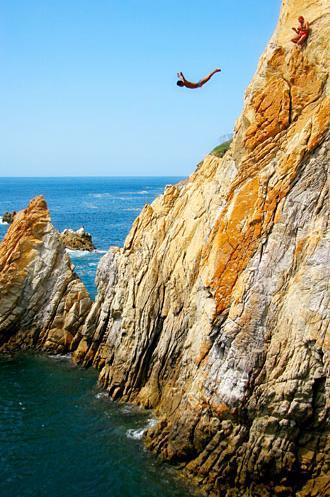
{"x": 42, "y": 301}
{"x": 215, "y": 310}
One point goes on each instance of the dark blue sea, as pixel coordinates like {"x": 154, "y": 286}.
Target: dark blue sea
{"x": 60, "y": 436}
{"x": 105, "y": 207}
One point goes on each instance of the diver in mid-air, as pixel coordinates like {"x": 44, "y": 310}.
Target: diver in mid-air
{"x": 182, "y": 81}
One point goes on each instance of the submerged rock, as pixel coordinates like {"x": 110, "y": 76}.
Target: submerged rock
{"x": 77, "y": 240}
{"x": 42, "y": 301}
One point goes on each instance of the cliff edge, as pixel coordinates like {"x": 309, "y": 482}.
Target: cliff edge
{"x": 214, "y": 312}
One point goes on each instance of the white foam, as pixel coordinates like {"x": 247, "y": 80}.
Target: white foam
{"x": 77, "y": 253}
{"x": 89, "y": 205}
{"x": 1, "y": 221}
{"x": 102, "y": 395}
{"x": 101, "y": 195}
{"x": 137, "y": 434}
{"x": 138, "y": 192}
{"x": 59, "y": 357}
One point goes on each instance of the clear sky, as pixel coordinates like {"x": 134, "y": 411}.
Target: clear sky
{"x": 89, "y": 87}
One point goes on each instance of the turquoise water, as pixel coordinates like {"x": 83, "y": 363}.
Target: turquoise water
{"x": 60, "y": 438}
{"x": 106, "y": 207}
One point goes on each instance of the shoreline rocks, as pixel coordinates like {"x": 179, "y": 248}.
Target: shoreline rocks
{"x": 77, "y": 240}
{"x": 8, "y": 217}
{"x": 43, "y": 303}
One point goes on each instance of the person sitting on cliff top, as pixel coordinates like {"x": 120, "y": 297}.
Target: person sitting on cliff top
{"x": 302, "y": 32}
{"x": 188, "y": 84}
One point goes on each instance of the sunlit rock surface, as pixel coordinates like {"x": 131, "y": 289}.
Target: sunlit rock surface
{"x": 77, "y": 240}
{"x": 215, "y": 311}
{"x": 42, "y": 301}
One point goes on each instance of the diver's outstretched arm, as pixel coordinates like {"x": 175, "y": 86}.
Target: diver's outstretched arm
{"x": 181, "y": 76}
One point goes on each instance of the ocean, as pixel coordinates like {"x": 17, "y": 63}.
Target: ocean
{"x": 105, "y": 207}
{"x": 59, "y": 434}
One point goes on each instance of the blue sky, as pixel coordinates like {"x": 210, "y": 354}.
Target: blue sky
{"x": 89, "y": 87}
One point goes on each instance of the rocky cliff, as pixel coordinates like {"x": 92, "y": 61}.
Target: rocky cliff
{"x": 214, "y": 312}
{"x": 42, "y": 302}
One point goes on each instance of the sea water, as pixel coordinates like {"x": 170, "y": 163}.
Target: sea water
{"x": 105, "y": 207}
{"x": 59, "y": 435}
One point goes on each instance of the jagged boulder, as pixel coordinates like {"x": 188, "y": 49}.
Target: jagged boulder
{"x": 42, "y": 301}
{"x": 77, "y": 240}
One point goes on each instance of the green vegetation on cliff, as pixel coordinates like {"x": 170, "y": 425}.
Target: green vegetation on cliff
{"x": 221, "y": 149}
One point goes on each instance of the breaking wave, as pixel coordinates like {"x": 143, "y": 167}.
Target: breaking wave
{"x": 137, "y": 434}
{"x": 60, "y": 357}
{"x": 77, "y": 253}
{"x": 102, "y": 395}
{"x": 1, "y": 221}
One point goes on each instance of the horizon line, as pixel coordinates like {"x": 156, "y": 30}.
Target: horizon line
{"x": 106, "y": 176}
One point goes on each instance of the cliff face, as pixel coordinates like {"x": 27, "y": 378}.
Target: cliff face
{"x": 42, "y": 302}
{"x": 215, "y": 310}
